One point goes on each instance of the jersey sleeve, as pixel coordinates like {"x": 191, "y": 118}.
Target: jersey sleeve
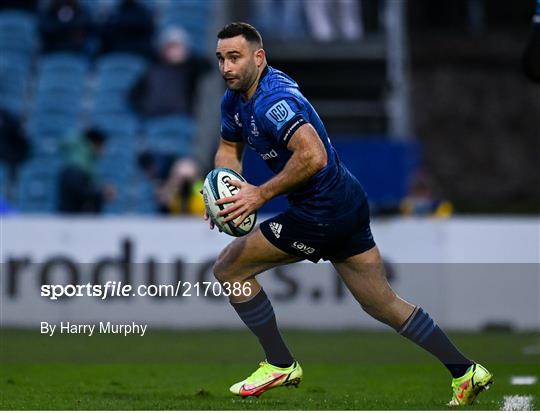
{"x": 230, "y": 131}
{"x": 281, "y": 115}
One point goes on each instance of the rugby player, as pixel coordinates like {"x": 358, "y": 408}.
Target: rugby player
{"x": 327, "y": 217}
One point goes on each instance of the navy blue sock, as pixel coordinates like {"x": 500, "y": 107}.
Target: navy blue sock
{"x": 258, "y": 315}
{"x": 422, "y": 330}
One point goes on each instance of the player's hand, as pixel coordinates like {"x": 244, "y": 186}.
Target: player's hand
{"x": 207, "y": 217}
{"x": 248, "y": 199}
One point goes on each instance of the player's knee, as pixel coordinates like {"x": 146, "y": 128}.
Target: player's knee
{"x": 223, "y": 267}
{"x": 220, "y": 271}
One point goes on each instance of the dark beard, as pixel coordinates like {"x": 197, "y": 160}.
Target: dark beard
{"x": 242, "y": 86}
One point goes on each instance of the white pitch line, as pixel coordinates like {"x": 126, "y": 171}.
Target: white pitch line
{"x": 523, "y": 380}
{"x": 517, "y": 403}
{"x": 531, "y": 349}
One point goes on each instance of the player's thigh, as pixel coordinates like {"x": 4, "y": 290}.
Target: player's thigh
{"x": 248, "y": 256}
{"x": 365, "y": 276}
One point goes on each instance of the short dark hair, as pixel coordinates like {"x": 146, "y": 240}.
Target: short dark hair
{"x": 249, "y": 32}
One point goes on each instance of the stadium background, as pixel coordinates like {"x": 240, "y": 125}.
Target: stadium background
{"x": 426, "y": 104}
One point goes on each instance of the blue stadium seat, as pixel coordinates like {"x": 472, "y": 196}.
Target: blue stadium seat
{"x": 15, "y": 60}
{"x": 115, "y": 103}
{"x": 170, "y": 134}
{"x": 119, "y": 171}
{"x": 143, "y": 198}
{"x": 52, "y": 82}
{"x": 116, "y": 166}
{"x": 46, "y": 146}
{"x": 120, "y": 152}
{"x": 117, "y": 206}
{"x": 194, "y": 16}
{"x": 18, "y": 32}
{"x": 63, "y": 64}
{"x": 61, "y": 83}
{"x": 118, "y": 71}
{"x": 13, "y": 81}
{"x": 36, "y": 186}
{"x": 115, "y": 75}
{"x": 99, "y": 9}
{"x": 12, "y": 103}
{"x": 116, "y": 124}
{"x": 58, "y": 102}
{"x": 51, "y": 124}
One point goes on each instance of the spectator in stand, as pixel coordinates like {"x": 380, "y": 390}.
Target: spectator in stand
{"x": 79, "y": 191}
{"x": 129, "y": 28}
{"x": 66, "y": 26}
{"x": 14, "y": 148}
{"x": 422, "y": 200}
{"x": 176, "y": 181}
{"x": 169, "y": 86}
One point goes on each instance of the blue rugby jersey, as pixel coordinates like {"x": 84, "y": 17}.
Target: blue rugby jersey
{"x": 266, "y": 123}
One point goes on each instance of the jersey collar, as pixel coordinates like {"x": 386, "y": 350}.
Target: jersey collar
{"x": 264, "y": 73}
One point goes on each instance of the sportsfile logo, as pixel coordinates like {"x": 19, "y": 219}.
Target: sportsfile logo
{"x": 276, "y": 229}
{"x": 300, "y": 246}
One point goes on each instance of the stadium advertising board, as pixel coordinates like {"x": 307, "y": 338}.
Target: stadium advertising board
{"x": 159, "y": 272}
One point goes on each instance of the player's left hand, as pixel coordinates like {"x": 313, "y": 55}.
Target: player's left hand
{"x": 248, "y": 199}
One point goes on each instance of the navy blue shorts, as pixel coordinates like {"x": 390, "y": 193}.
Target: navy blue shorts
{"x": 332, "y": 240}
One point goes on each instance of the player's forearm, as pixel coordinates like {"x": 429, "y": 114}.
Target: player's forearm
{"x": 302, "y": 166}
{"x": 227, "y": 161}
{"x": 228, "y": 156}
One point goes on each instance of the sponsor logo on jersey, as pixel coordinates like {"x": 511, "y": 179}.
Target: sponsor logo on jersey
{"x": 293, "y": 128}
{"x": 269, "y": 155}
{"x": 276, "y": 228}
{"x": 280, "y": 113}
{"x": 300, "y": 246}
{"x": 254, "y": 130}
{"x": 237, "y": 120}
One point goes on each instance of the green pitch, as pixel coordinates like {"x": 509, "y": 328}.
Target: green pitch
{"x": 193, "y": 370}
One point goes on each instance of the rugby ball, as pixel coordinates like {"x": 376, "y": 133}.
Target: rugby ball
{"x": 217, "y": 186}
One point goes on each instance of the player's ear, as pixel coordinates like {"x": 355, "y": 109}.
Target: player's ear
{"x": 259, "y": 57}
